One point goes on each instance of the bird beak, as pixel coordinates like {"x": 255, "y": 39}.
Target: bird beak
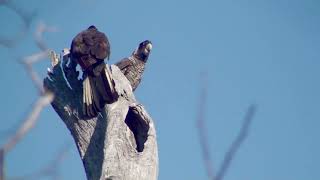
{"x": 149, "y": 47}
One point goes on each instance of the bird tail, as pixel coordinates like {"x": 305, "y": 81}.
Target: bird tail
{"x": 98, "y": 90}
{"x": 110, "y": 81}
{"x": 89, "y": 108}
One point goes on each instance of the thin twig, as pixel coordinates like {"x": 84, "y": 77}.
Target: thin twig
{"x": 38, "y": 35}
{"x": 28, "y": 61}
{"x": 202, "y": 130}
{"x": 29, "y": 121}
{"x": 44, "y": 99}
{"x": 26, "y": 18}
{"x": 236, "y": 144}
{"x": 51, "y": 169}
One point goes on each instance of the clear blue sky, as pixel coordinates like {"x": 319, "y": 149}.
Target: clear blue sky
{"x": 264, "y": 52}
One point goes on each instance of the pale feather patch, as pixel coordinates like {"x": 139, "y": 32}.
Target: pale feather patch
{"x": 109, "y": 78}
{"x": 87, "y": 92}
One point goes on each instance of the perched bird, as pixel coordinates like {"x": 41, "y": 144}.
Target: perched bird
{"x": 132, "y": 67}
{"x": 89, "y": 49}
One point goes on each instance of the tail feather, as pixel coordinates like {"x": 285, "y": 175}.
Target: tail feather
{"x": 98, "y": 91}
{"x": 110, "y": 80}
{"x": 87, "y": 94}
{"x": 88, "y": 106}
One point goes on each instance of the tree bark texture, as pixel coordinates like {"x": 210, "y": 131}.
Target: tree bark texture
{"x": 119, "y": 144}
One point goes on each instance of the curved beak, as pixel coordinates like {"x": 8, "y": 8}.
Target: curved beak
{"x": 149, "y": 47}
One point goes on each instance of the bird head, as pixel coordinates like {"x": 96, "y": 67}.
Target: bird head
{"x": 92, "y": 27}
{"x": 143, "y": 50}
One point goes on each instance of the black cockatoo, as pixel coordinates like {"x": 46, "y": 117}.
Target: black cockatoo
{"x": 132, "y": 67}
{"x": 89, "y": 49}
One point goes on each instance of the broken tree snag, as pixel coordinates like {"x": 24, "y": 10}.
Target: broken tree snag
{"x": 118, "y": 144}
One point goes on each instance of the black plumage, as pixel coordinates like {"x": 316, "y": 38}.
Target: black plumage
{"x": 133, "y": 67}
{"x": 89, "y": 49}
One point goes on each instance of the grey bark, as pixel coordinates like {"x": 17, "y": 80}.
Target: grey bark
{"x": 119, "y": 144}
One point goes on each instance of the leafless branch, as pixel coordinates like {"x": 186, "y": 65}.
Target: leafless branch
{"x": 29, "y": 121}
{"x": 4, "y": 134}
{"x": 28, "y": 61}
{"x": 45, "y": 98}
{"x": 235, "y": 146}
{"x": 27, "y": 124}
{"x": 202, "y": 130}
{"x": 51, "y": 169}
{"x": 38, "y": 35}
{"x": 25, "y": 17}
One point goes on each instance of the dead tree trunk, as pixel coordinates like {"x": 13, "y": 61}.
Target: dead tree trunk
{"x": 119, "y": 144}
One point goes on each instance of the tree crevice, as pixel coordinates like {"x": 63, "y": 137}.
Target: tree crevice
{"x": 138, "y": 126}
{"x": 103, "y": 142}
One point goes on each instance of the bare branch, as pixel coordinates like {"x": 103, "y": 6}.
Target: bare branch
{"x": 13, "y": 41}
{"x": 51, "y": 169}
{"x": 236, "y": 144}
{"x": 4, "y": 134}
{"x": 25, "y": 17}
{"x": 41, "y": 28}
{"x": 202, "y": 130}
{"x": 43, "y": 100}
{"x": 29, "y": 121}
{"x": 28, "y": 61}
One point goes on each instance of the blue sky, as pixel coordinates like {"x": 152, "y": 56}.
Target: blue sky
{"x": 264, "y": 52}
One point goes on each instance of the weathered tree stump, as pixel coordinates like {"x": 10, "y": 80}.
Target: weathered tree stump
{"x": 119, "y": 144}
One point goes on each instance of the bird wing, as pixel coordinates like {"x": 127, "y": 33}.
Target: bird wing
{"x": 123, "y": 64}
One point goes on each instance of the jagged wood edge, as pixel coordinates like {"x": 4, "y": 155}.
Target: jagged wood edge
{"x": 91, "y": 135}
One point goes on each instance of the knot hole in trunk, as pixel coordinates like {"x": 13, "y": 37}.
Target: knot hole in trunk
{"x": 139, "y": 126}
